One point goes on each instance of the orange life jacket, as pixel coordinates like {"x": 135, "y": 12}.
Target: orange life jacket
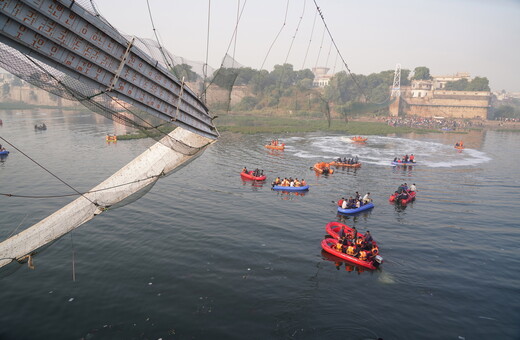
{"x": 363, "y": 255}
{"x": 350, "y": 250}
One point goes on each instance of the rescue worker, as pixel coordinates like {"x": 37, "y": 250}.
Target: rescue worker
{"x": 351, "y": 250}
{"x": 363, "y": 255}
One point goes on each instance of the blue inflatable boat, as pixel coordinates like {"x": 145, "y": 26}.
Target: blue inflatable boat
{"x": 354, "y": 211}
{"x": 279, "y": 187}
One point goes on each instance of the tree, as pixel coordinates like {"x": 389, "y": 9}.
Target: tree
{"x": 405, "y": 74}
{"x": 245, "y": 75}
{"x": 479, "y": 84}
{"x": 458, "y": 85}
{"x": 225, "y": 77}
{"x": 304, "y": 74}
{"x": 421, "y": 73}
{"x": 305, "y": 84}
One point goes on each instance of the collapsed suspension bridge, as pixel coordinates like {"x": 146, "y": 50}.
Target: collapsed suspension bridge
{"x": 66, "y": 48}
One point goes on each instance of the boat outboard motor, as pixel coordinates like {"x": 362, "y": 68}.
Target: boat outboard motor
{"x": 378, "y": 259}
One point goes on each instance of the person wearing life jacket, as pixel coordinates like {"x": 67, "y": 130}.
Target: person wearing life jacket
{"x": 338, "y": 246}
{"x": 360, "y": 243}
{"x": 363, "y": 255}
{"x": 374, "y": 250}
{"x": 340, "y": 202}
{"x": 351, "y": 250}
{"x": 244, "y": 170}
{"x": 412, "y": 158}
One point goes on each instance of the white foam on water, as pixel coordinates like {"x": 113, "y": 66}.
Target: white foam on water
{"x": 381, "y": 150}
{"x": 386, "y": 278}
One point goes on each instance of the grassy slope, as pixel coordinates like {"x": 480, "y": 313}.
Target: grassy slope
{"x": 258, "y": 124}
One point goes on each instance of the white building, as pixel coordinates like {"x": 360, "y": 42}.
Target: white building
{"x": 321, "y": 78}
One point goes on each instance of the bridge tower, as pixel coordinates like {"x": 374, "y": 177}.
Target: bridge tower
{"x": 396, "y": 92}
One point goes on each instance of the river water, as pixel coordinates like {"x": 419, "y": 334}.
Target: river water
{"x": 205, "y": 255}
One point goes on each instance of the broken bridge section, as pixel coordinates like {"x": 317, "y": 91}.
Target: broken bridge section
{"x": 87, "y": 52}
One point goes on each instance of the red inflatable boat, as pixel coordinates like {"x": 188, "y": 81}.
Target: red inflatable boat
{"x": 249, "y": 175}
{"x": 411, "y": 197}
{"x": 329, "y": 245}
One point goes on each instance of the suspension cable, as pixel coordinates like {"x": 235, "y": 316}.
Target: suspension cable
{"x": 339, "y": 53}
{"x": 236, "y": 35}
{"x": 295, "y": 32}
{"x": 276, "y": 38}
{"x": 157, "y": 37}
{"x": 84, "y": 193}
{"x": 321, "y": 46}
{"x": 205, "y": 68}
{"x": 310, "y": 40}
{"x": 227, "y": 51}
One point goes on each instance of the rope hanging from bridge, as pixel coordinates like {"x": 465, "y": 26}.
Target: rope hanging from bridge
{"x": 338, "y": 51}
{"x": 277, "y": 35}
{"x": 310, "y": 39}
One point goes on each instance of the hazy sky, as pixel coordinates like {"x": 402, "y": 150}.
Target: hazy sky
{"x": 481, "y": 37}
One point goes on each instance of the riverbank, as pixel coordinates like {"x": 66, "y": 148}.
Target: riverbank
{"x": 247, "y": 124}
{"x": 262, "y": 124}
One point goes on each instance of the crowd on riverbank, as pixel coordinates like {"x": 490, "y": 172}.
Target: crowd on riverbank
{"x": 431, "y": 123}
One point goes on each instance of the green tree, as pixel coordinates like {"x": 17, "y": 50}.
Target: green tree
{"x": 303, "y": 74}
{"x": 479, "y": 84}
{"x": 305, "y": 84}
{"x": 245, "y": 75}
{"x": 405, "y": 80}
{"x": 458, "y": 85}
{"x": 261, "y": 81}
{"x": 422, "y": 73}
